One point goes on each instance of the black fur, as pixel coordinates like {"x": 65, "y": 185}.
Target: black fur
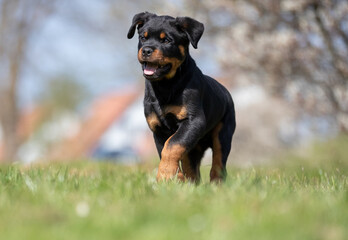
{"x": 207, "y": 102}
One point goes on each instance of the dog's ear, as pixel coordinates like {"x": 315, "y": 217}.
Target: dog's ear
{"x": 192, "y": 28}
{"x": 139, "y": 20}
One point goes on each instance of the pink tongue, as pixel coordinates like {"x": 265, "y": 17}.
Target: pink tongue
{"x": 150, "y": 69}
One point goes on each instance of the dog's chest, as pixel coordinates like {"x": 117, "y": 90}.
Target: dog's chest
{"x": 166, "y": 117}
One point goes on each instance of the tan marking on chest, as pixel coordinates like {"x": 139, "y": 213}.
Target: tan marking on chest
{"x": 180, "y": 112}
{"x": 153, "y": 121}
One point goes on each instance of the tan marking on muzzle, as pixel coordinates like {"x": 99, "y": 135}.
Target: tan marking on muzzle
{"x": 158, "y": 57}
{"x": 175, "y": 65}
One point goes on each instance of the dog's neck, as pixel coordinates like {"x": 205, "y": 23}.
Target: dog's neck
{"x": 166, "y": 88}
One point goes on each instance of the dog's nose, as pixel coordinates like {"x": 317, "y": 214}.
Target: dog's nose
{"x": 147, "y": 51}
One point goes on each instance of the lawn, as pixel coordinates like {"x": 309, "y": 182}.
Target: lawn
{"x": 303, "y": 197}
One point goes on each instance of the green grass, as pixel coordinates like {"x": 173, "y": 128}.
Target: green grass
{"x": 303, "y": 197}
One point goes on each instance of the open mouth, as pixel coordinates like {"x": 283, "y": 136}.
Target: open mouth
{"x": 150, "y": 68}
{"x": 154, "y": 70}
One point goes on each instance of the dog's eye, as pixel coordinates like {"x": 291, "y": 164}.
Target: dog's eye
{"x": 166, "y": 40}
{"x": 142, "y": 38}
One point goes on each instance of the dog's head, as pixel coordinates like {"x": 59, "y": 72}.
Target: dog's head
{"x": 163, "y": 43}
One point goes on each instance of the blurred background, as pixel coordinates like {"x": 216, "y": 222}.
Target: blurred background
{"x": 71, "y": 87}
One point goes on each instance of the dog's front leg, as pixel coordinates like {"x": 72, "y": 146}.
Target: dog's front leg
{"x": 180, "y": 143}
{"x": 171, "y": 155}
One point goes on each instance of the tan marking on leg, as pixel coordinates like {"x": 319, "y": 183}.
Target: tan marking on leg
{"x": 169, "y": 164}
{"x": 188, "y": 171}
{"x": 180, "y": 112}
{"x": 216, "y": 168}
{"x": 153, "y": 121}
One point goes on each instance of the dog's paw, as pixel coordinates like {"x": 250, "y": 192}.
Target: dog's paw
{"x": 169, "y": 173}
{"x": 217, "y": 176}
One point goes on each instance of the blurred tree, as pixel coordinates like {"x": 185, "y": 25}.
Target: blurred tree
{"x": 19, "y": 19}
{"x": 297, "y": 49}
{"x": 62, "y": 94}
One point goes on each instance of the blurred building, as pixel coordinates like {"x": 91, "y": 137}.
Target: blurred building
{"x": 114, "y": 128}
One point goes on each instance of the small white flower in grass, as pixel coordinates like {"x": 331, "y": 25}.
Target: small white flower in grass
{"x": 30, "y": 184}
{"x": 82, "y": 209}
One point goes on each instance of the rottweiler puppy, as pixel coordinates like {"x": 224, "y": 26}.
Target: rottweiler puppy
{"x": 186, "y": 110}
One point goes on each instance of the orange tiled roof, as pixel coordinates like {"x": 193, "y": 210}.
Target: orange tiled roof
{"x": 103, "y": 113}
